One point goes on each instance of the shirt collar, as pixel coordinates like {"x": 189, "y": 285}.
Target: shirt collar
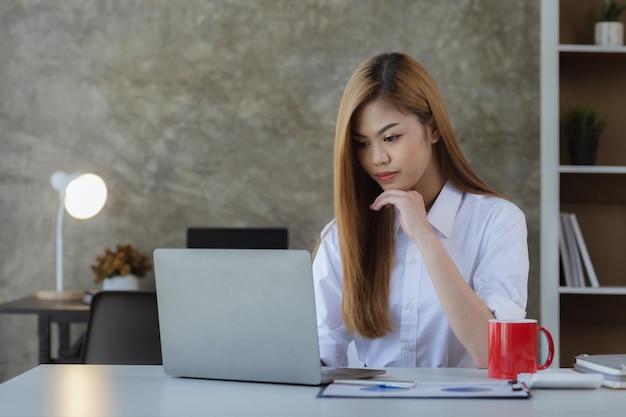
{"x": 443, "y": 211}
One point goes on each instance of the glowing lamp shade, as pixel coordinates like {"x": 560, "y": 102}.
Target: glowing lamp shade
{"x": 83, "y": 196}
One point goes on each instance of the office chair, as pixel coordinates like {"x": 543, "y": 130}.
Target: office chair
{"x": 237, "y": 238}
{"x": 123, "y": 329}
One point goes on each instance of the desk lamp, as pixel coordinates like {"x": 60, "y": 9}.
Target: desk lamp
{"x": 83, "y": 196}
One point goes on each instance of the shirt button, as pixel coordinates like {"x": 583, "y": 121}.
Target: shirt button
{"x": 412, "y": 261}
{"x": 408, "y": 347}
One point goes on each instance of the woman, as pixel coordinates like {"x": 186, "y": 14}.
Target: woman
{"x": 421, "y": 252}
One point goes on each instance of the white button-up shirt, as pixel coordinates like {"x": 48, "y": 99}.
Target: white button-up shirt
{"x": 487, "y": 239}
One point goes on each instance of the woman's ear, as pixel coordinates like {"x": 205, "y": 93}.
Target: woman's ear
{"x": 433, "y": 132}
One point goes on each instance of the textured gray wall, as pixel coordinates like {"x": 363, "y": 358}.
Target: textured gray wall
{"x": 221, "y": 113}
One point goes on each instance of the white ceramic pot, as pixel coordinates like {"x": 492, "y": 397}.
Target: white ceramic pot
{"x": 609, "y": 33}
{"x": 121, "y": 283}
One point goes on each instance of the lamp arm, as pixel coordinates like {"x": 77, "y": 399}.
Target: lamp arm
{"x": 60, "y": 240}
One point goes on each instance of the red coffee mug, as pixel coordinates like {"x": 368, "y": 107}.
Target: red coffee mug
{"x": 513, "y": 348}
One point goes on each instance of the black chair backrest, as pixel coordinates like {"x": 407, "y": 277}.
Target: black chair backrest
{"x": 123, "y": 329}
{"x": 237, "y": 238}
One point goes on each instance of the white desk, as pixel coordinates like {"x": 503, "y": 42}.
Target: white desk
{"x": 144, "y": 390}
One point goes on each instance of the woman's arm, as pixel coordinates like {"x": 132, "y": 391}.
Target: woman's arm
{"x": 466, "y": 312}
{"x": 333, "y": 338}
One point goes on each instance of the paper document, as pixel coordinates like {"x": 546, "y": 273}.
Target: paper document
{"x": 386, "y": 389}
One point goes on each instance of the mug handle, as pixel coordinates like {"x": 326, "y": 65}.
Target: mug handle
{"x": 550, "y": 357}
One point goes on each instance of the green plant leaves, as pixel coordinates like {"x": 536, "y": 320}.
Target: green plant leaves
{"x": 583, "y": 123}
{"x": 610, "y": 10}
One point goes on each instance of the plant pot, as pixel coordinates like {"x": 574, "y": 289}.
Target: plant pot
{"x": 121, "y": 283}
{"x": 583, "y": 152}
{"x": 609, "y": 33}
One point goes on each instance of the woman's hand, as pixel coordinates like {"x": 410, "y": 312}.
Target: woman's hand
{"x": 411, "y": 207}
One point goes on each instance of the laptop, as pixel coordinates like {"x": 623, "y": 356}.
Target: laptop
{"x": 242, "y": 315}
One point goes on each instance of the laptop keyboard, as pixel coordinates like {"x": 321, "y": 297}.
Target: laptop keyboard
{"x": 330, "y": 373}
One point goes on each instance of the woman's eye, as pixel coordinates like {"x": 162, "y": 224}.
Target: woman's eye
{"x": 360, "y": 144}
{"x": 391, "y": 138}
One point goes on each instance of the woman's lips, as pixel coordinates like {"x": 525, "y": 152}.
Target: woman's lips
{"x": 386, "y": 176}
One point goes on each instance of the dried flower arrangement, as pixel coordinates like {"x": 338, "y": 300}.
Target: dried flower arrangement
{"x": 126, "y": 260}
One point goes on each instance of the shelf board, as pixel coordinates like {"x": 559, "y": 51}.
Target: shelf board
{"x": 592, "y": 291}
{"x": 592, "y": 169}
{"x": 593, "y": 49}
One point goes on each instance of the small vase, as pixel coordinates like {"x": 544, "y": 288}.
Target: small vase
{"x": 121, "y": 283}
{"x": 583, "y": 152}
{"x": 609, "y": 33}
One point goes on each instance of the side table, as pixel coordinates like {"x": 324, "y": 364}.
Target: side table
{"x": 50, "y": 311}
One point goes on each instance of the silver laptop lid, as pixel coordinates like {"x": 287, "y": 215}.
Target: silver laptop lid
{"x": 238, "y": 314}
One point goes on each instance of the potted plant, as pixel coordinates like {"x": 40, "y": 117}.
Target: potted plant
{"x": 583, "y": 127}
{"x": 608, "y": 31}
{"x": 120, "y": 269}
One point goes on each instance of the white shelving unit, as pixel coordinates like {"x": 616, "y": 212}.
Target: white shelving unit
{"x": 552, "y": 174}
{"x": 593, "y": 291}
{"x": 591, "y": 49}
{"x": 581, "y": 169}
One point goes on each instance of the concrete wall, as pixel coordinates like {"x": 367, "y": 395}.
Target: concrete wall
{"x": 222, "y": 112}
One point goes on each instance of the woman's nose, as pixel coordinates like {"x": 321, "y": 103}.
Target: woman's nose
{"x": 379, "y": 155}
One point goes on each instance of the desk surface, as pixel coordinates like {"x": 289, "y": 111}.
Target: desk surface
{"x": 33, "y": 305}
{"x": 144, "y": 390}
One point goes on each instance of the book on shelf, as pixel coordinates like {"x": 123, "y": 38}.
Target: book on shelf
{"x": 574, "y": 254}
{"x": 584, "y": 253}
{"x": 611, "y": 366}
{"x": 566, "y": 260}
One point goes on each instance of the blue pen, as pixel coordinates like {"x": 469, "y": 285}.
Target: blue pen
{"x": 377, "y": 383}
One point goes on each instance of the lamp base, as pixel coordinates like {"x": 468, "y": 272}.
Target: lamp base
{"x": 74, "y": 295}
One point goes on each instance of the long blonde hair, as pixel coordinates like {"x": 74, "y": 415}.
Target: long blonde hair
{"x": 366, "y": 236}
